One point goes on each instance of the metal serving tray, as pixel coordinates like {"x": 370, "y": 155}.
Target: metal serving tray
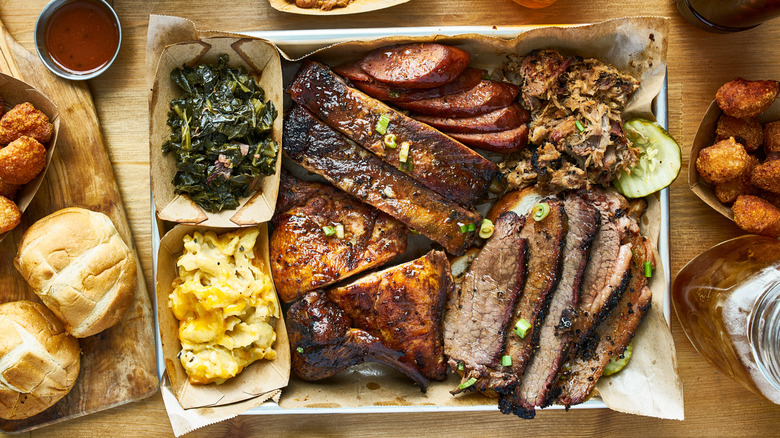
{"x": 301, "y": 42}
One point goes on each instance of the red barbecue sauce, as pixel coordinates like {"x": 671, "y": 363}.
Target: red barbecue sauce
{"x": 82, "y": 36}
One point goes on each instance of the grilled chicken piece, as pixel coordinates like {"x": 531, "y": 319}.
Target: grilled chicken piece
{"x": 542, "y": 373}
{"x": 304, "y": 257}
{"x": 440, "y": 163}
{"x": 322, "y": 150}
{"x": 403, "y": 307}
{"x": 481, "y": 307}
{"x": 323, "y": 343}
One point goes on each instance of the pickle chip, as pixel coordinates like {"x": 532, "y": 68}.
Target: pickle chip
{"x": 617, "y": 363}
{"x": 659, "y": 160}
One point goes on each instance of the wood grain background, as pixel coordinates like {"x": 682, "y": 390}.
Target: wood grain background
{"x": 699, "y": 62}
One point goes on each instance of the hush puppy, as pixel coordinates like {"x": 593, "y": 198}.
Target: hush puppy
{"x": 22, "y": 160}
{"x": 10, "y": 216}
{"x": 757, "y": 216}
{"x": 767, "y": 176}
{"x": 25, "y": 120}
{"x": 728, "y": 191}
{"x": 721, "y": 162}
{"x": 7, "y": 189}
{"x": 772, "y": 137}
{"x": 748, "y": 132}
{"x": 742, "y": 98}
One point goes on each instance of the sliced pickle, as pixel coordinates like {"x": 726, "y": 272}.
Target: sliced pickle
{"x": 618, "y": 362}
{"x": 659, "y": 160}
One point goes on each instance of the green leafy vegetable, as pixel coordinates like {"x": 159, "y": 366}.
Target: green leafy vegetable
{"x": 220, "y": 134}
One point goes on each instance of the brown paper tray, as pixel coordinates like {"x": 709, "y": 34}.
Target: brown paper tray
{"x": 296, "y": 44}
{"x": 705, "y": 137}
{"x": 15, "y": 92}
{"x": 256, "y": 56}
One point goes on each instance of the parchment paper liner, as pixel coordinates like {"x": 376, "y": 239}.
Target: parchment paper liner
{"x": 648, "y": 386}
{"x": 257, "y": 379}
{"x": 705, "y": 137}
{"x": 15, "y": 92}
{"x": 356, "y": 7}
{"x": 256, "y": 56}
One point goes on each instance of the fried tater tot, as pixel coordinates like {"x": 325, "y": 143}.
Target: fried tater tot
{"x": 742, "y": 98}
{"x": 10, "y": 216}
{"x": 757, "y": 216}
{"x": 772, "y": 198}
{"x": 772, "y": 137}
{"x": 767, "y": 176}
{"x": 8, "y": 190}
{"x": 728, "y": 191}
{"x": 25, "y": 120}
{"x": 723, "y": 161}
{"x": 22, "y": 160}
{"x": 748, "y": 132}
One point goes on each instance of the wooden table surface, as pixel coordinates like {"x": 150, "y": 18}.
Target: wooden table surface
{"x": 698, "y": 63}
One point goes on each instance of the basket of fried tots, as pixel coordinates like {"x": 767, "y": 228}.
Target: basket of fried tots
{"x": 28, "y": 132}
{"x": 735, "y": 157}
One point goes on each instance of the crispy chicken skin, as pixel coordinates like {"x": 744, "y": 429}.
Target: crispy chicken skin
{"x": 748, "y": 132}
{"x": 742, "y": 98}
{"x": 10, "y": 216}
{"x": 22, "y": 160}
{"x": 24, "y": 119}
{"x": 755, "y": 215}
{"x": 403, "y": 306}
{"x": 323, "y": 342}
{"x": 723, "y": 161}
{"x": 304, "y": 257}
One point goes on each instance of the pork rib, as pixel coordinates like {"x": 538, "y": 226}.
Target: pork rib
{"x": 442, "y": 164}
{"x": 322, "y": 150}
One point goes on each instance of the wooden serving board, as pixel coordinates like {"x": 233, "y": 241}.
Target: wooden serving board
{"x": 117, "y": 365}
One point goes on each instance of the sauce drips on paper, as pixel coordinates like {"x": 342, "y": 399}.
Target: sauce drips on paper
{"x": 82, "y": 36}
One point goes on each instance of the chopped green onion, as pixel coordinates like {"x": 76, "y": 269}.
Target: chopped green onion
{"x": 328, "y": 230}
{"x": 413, "y": 231}
{"x": 340, "y": 231}
{"x": 486, "y": 228}
{"x": 467, "y": 383}
{"x": 506, "y": 360}
{"x": 381, "y": 124}
{"x": 403, "y": 154}
{"x": 648, "y": 270}
{"x": 540, "y": 211}
{"x": 394, "y": 94}
{"x": 460, "y": 366}
{"x": 579, "y": 126}
{"x": 465, "y": 228}
{"x": 390, "y": 140}
{"x": 522, "y": 327}
{"x": 299, "y": 350}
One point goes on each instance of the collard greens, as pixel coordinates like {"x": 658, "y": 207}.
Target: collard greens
{"x": 220, "y": 134}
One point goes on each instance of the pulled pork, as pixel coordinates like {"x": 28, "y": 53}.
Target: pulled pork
{"x": 576, "y": 134}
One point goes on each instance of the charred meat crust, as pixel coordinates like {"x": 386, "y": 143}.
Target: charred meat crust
{"x": 322, "y": 150}
{"x": 540, "y": 376}
{"x": 467, "y": 176}
{"x": 323, "y": 343}
{"x": 403, "y": 307}
{"x": 546, "y": 240}
{"x": 481, "y": 306}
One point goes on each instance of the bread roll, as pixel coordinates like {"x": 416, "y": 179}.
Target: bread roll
{"x": 80, "y": 267}
{"x": 39, "y": 361}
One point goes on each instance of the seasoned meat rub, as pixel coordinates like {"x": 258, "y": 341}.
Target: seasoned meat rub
{"x": 554, "y": 340}
{"x": 322, "y": 150}
{"x": 482, "y": 305}
{"x": 304, "y": 257}
{"x": 440, "y": 163}
{"x": 403, "y": 306}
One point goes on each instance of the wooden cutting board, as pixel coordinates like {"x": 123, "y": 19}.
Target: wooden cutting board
{"x": 118, "y": 366}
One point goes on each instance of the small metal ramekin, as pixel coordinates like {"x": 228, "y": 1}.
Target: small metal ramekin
{"x": 43, "y": 53}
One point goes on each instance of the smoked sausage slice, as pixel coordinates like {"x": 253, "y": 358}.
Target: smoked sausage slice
{"x": 466, "y": 81}
{"x": 416, "y": 65}
{"x": 503, "y": 142}
{"x": 501, "y": 119}
{"x": 487, "y": 96}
